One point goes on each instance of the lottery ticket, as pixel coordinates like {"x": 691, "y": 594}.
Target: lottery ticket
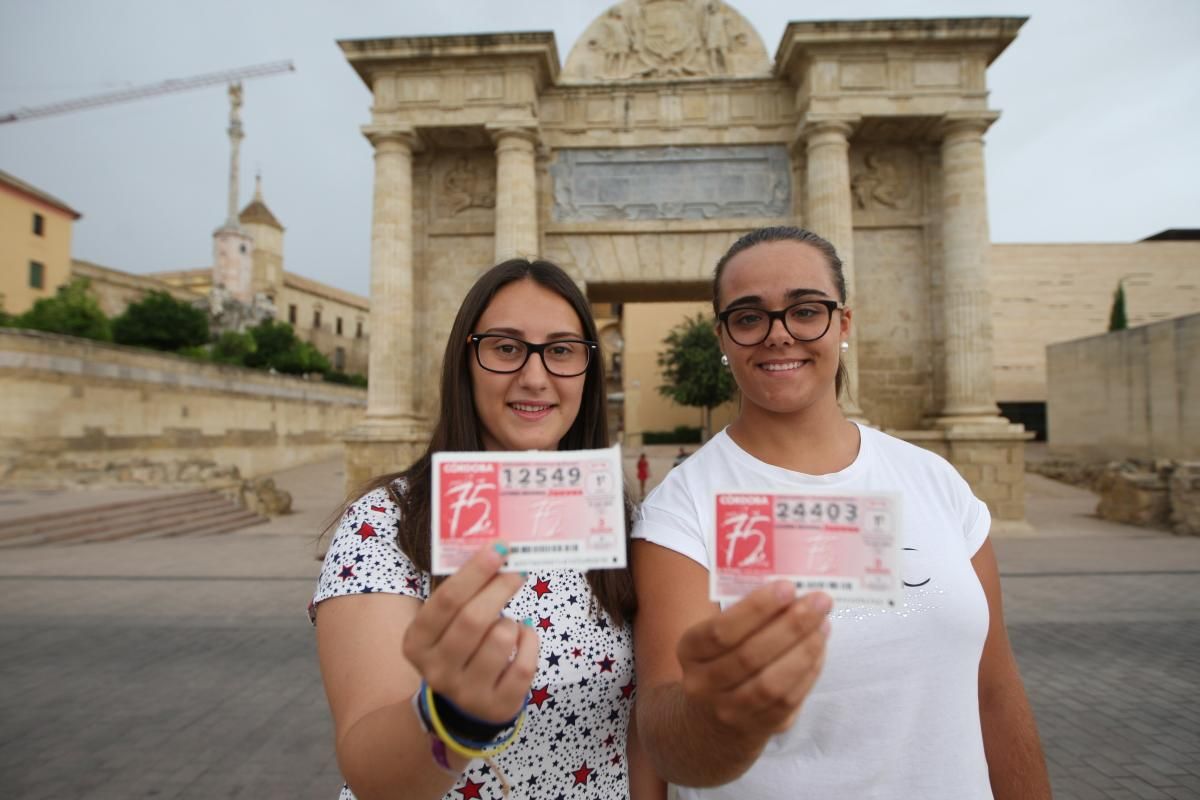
{"x": 846, "y": 545}
{"x": 554, "y": 509}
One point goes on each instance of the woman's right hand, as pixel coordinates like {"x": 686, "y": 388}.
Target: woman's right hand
{"x": 466, "y": 651}
{"x": 754, "y": 663}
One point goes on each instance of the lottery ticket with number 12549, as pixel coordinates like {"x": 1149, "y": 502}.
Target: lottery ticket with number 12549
{"x": 846, "y": 545}
{"x": 560, "y": 509}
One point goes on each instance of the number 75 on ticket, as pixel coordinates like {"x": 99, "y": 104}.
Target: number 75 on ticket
{"x": 560, "y": 509}
{"x": 846, "y": 545}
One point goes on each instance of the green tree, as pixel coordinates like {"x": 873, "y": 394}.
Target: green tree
{"x": 691, "y": 368}
{"x": 1116, "y": 319}
{"x": 72, "y": 311}
{"x": 232, "y": 347}
{"x": 161, "y": 322}
{"x": 7, "y": 320}
{"x": 277, "y": 347}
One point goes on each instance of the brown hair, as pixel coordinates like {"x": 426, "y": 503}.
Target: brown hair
{"x": 458, "y": 427}
{"x": 789, "y": 233}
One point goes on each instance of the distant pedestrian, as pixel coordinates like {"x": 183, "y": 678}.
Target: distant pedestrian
{"x": 681, "y": 457}
{"x": 643, "y": 473}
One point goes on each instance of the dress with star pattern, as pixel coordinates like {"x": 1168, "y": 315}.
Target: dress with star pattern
{"x": 572, "y": 746}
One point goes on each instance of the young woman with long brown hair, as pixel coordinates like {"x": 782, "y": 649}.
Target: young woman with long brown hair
{"x": 545, "y": 660}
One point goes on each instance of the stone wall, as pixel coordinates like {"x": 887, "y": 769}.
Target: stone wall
{"x": 1127, "y": 394}
{"x": 1043, "y": 294}
{"x": 992, "y": 460}
{"x": 81, "y": 411}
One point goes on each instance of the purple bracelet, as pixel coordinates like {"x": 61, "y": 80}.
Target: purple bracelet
{"x": 437, "y": 748}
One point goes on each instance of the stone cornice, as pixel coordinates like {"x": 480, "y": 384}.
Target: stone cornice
{"x": 800, "y": 38}
{"x": 404, "y": 134}
{"x": 402, "y": 53}
{"x": 526, "y": 130}
{"x": 973, "y": 123}
{"x": 812, "y": 125}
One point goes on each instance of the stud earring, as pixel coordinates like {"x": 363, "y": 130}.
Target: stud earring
{"x": 845, "y": 346}
{"x": 724, "y": 360}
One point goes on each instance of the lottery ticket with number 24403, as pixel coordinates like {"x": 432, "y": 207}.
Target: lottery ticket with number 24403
{"x": 846, "y": 545}
{"x": 554, "y": 509}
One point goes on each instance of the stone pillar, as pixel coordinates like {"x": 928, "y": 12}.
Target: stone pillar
{"x": 392, "y": 435}
{"x": 516, "y": 191}
{"x": 966, "y": 298}
{"x": 830, "y": 213}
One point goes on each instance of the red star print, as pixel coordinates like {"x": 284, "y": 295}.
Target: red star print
{"x": 413, "y": 584}
{"x": 347, "y": 572}
{"x": 615, "y": 760}
{"x": 470, "y": 790}
{"x": 544, "y": 623}
{"x": 539, "y": 696}
{"x": 576, "y": 652}
{"x": 627, "y": 689}
{"x": 582, "y": 774}
{"x": 366, "y": 531}
{"x": 610, "y": 740}
{"x": 380, "y": 509}
{"x": 606, "y": 664}
{"x": 542, "y": 587}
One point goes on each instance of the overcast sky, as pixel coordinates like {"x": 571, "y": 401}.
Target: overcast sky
{"x": 1098, "y": 141}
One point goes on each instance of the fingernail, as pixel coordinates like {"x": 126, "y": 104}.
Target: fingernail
{"x": 501, "y": 548}
{"x": 524, "y": 574}
{"x": 528, "y": 621}
{"x": 784, "y": 592}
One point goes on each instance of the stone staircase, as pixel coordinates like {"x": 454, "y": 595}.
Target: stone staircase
{"x": 199, "y": 512}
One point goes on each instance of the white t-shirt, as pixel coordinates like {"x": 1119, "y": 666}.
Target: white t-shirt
{"x": 895, "y": 712}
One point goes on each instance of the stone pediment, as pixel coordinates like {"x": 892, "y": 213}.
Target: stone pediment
{"x": 667, "y": 40}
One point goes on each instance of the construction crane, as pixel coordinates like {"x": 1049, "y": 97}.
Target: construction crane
{"x": 137, "y": 93}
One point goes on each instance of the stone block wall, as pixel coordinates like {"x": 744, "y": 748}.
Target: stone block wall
{"x": 1128, "y": 394}
{"x": 82, "y": 411}
{"x": 1043, "y": 294}
{"x": 991, "y": 461}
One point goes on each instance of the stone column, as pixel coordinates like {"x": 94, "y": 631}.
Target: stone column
{"x": 516, "y": 191}
{"x": 830, "y": 213}
{"x": 392, "y": 434}
{"x": 966, "y": 298}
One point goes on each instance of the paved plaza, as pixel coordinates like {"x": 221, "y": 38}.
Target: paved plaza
{"x": 185, "y": 668}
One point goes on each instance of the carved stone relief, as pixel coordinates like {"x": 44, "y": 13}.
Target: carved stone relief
{"x": 885, "y": 183}
{"x": 464, "y": 182}
{"x": 654, "y": 39}
{"x": 671, "y": 183}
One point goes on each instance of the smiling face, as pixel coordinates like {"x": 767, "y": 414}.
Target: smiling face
{"x": 530, "y": 409}
{"x": 782, "y": 375}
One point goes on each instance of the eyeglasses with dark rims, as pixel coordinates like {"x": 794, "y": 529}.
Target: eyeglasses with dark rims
{"x": 564, "y": 358}
{"x": 805, "y": 322}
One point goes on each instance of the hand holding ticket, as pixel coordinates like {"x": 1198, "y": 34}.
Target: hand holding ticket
{"x": 845, "y": 545}
{"x": 555, "y": 509}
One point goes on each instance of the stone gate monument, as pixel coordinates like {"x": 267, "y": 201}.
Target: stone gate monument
{"x": 669, "y": 132}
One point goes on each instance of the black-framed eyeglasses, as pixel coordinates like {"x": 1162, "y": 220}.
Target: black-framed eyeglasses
{"x": 805, "y": 322}
{"x": 565, "y": 358}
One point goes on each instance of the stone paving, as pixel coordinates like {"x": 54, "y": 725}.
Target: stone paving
{"x": 184, "y": 668}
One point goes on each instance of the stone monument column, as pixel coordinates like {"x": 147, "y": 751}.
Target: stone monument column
{"x": 392, "y": 434}
{"x": 516, "y": 191}
{"x": 830, "y": 212}
{"x": 966, "y": 298}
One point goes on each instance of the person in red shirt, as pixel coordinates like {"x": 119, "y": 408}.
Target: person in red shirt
{"x": 643, "y": 474}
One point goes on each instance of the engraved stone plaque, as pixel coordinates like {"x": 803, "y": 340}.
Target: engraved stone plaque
{"x": 717, "y": 182}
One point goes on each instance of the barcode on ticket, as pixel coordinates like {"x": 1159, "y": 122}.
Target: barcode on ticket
{"x": 544, "y": 548}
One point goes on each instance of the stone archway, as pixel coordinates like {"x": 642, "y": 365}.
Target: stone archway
{"x": 668, "y": 132}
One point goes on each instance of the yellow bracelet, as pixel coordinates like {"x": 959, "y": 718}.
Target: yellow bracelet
{"x": 453, "y": 744}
